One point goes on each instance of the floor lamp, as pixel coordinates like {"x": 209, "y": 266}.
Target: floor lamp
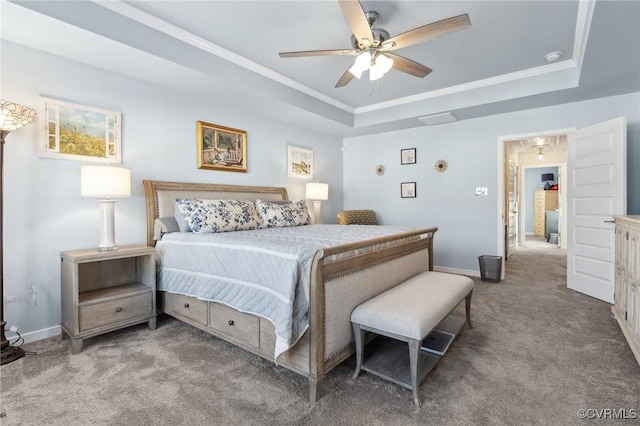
{"x": 12, "y": 117}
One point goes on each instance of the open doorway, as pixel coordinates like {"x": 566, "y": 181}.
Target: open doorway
{"x": 592, "y": 191}
{"x": 534, "y": 181}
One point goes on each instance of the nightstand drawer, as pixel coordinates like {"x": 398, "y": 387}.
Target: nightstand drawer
{"x": 235, "y": 323}
{"x": 114, "y": 311}
{"x": 188, "y": 306}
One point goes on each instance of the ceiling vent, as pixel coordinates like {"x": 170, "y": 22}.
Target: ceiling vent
{"x": 432, "y": 120}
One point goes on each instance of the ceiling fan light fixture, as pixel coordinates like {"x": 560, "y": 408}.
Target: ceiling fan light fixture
{"x": 361, "y": 64}
{"x": 384, "y": 63}
{"x": 375, "y": 72}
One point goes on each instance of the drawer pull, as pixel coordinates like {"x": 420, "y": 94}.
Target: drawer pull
{"x": 231, "y": 322}
{"x": 118, "y": 309}
{"x": 186, "y": 305}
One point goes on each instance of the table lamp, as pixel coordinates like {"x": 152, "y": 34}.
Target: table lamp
{"x": 106, "y": 182}
{"x": 318, "y": 192}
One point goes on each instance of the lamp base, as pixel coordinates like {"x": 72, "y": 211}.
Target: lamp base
{"x": 107, "y": 230}
{"x": 9, "y": 353}
{"x": 316, "y": 212}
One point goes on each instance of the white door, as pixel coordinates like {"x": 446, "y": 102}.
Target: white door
{"x": 597, "y": 189}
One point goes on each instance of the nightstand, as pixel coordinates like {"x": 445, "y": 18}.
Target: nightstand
{"x": 104, "y": 291}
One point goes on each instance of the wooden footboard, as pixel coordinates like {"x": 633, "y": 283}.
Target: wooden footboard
{"x": 337, "y": 286}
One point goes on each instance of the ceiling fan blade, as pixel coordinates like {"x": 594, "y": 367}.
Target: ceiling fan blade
{"x": 345, "y": 79}
{"x": 357, "y": 20}
{"x": 408, "y": 66}
{"x": 427, "y": 32}
{"x": 336, "y": 52}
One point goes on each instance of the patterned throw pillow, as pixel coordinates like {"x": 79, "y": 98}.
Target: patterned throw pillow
{"x": 209, "y": 216}
{"x": 274, "y": 215}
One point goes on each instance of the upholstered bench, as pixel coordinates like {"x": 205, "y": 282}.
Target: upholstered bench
{"x": 409, "y": 312}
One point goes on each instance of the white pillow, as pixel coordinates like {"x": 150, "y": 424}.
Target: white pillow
{"x": 164, "y": 225}
{"x": 277, "y": 215}
{"x": 209, "y": 216}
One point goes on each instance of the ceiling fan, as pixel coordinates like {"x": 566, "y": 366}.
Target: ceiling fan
{"x": 373, "y": 45}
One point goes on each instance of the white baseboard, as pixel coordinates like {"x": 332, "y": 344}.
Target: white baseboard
{"x": 468, "y": 272}
{"x": 35, "y": 335}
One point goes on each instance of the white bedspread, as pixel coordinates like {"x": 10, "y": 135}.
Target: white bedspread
{"x": 265, "y": 272}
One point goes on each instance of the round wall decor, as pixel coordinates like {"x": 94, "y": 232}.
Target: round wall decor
{"x": 380, "y": 169}
{"x": 440, "y": 166}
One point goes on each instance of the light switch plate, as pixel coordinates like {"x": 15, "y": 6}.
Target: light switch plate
{"x": 482, "y": 191}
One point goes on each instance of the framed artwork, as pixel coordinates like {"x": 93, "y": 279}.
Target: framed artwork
{"x": 408, "y": 156}
{"x": 299, "y": 162}
{"x": 77, "y": 132}
{"x": 408, "y": 190}
{"x": 221, "y": 148}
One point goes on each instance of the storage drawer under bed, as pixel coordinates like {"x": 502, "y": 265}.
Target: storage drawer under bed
{"x": 234, "y": 323}
{"x": 224, "y": 319}
{"x": 190, "y": 307}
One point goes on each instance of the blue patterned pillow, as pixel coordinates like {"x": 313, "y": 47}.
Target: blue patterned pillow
{"x": 276, "y": 215}
{"x": 209, "y": 216}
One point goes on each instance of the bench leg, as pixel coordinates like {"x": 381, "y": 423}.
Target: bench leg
{"x": 467, "y": 306}
{"x": 414, "y": 353}
{"x": 359, "y": 337}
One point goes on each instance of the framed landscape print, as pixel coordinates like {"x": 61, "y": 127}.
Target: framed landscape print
{"x": 221, "y": 148}
{"x": 299, "y": 162}
{"x": 408, "y": 190}
{"x": 77, "y": 132}
{"x": 408, "y": 156}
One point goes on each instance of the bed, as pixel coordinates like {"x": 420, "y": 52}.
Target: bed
{"x": 334, "y": 275}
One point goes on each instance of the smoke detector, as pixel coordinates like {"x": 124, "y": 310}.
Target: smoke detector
{"x": 553, "y": 56}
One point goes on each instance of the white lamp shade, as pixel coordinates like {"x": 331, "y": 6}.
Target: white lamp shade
{"x": 105, "y": 181}
{"x": 317, "y": 191}
{"x": 361, "y": 64}
{"x": 384, "y": 62}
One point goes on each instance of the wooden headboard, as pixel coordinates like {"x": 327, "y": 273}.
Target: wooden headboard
{"x": 161, "y": 196}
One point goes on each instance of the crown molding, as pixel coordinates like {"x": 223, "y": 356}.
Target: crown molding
{"x": 583, "y": 21}
{"x": 188, "y": 37}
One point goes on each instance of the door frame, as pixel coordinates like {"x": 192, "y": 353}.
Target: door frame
{"x": 500, "y": 217}
{"x": 562, "y": 192}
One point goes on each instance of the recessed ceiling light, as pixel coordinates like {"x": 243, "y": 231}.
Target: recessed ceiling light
{"x": 553, "y": 56}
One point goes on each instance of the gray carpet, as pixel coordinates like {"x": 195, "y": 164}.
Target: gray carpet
{"x": 538, "y": 353}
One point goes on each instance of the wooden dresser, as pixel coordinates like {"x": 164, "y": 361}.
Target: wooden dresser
{"x": 543, "y": 201}
{"x": 626, "y": 306}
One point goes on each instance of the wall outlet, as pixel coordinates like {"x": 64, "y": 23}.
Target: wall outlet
{"x": 483, "y": 191}
{"x": 13, "y": 328}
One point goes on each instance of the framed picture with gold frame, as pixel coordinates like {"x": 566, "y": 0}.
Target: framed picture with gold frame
{"x": 221, "y": 148}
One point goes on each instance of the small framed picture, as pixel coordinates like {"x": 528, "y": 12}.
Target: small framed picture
{"x": 221, "y": 148}
{"x": 299, "y": 162}
{"x": 408, "y": 156}
{"x": 408, "y": 190}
